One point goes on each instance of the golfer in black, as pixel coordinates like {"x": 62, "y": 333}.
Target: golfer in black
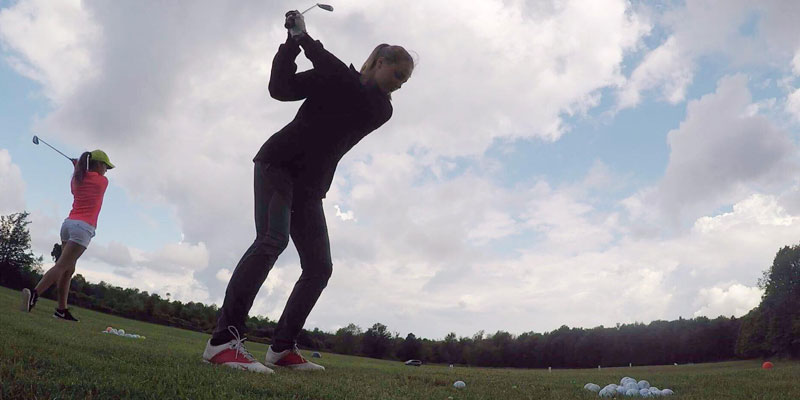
{"x": 293, "y": 172}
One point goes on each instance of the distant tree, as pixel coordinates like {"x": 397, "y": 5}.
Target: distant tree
{"x": 347, "y": 340}
{"x": 774, "y": 328}
{"x": 410, "y": 348}
{"x": 19, "y": 267}
{"x": 376, "y": 342}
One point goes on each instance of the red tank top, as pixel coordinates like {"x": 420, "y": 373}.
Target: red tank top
{"x": 88, "y": 197}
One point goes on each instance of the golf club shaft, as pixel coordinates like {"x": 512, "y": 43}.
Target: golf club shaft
{"x": 48, "y": 145}
{"x": 309, "y": 9}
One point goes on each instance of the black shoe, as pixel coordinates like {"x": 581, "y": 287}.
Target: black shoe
{"x": 64, "y": 314}
{"x": 29, "y": 298}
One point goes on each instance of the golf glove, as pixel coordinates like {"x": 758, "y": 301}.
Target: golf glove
{"x": 295, "y": 23}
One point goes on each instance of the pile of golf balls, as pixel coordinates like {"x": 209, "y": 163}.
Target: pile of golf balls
{"x": 121, "y": 332}
{"x": 628, "y": 387}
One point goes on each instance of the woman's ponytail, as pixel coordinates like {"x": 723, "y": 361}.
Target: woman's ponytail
{"x": 82, "y": 166}
{"x": 393, "y": 54}
{"x": 373, "y": 58}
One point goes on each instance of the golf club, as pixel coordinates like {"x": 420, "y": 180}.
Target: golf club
{"x": 322, "y": 6}
{"x": 36, "y": 140}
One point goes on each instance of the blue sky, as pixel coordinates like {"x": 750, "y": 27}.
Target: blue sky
{"x": 627, "y": 145}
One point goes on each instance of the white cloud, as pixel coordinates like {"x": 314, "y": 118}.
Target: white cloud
{"x": 793, "y": 104}
{"x": 698, "y": 29}
{"x": 177, "y": 256}
{"x": 796, "y": 63}
{"x": 668, "y": 67}
{"x": 735, "y": 300}
{"x": 12, "y": 186}
{"x": 52, "y": 43}
{"x": 224, "y": 275}
{"x": 114, "y": 253}
{"x": 181, "y": 285}
{"x": 719, "y": 154}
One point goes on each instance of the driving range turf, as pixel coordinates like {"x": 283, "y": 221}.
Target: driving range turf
{"x": 42, "y": 357}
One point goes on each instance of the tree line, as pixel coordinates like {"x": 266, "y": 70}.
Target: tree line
{"x": 772, "y": 328}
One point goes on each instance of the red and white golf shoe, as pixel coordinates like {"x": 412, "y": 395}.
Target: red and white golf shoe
{"x": 233, "y": 354}
{"x": 291, "y": 358}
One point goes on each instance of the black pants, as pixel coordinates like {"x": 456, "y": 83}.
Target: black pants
{"x": 279, "y": 212}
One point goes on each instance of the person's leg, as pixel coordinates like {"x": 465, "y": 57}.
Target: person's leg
{"x": 273, "y": 202}
{"x": 309, "y": 233}
{"x": 65, "y": 265}
{"x": 63, "y": 285}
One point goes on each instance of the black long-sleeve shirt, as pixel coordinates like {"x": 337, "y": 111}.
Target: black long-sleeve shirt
{"x": 337, "y": 113}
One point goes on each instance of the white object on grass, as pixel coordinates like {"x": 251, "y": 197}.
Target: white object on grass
{"x": 607, "y": 392}
{"x": 645, "y": 393}
{"x": 643, "y": 384}
{"x": 667, "y": 392}
{"x": 459, "y": 385}
{"x": 632, "y": 393}
{"x": 592, "y": 387}
{"x": 625, "y": 380}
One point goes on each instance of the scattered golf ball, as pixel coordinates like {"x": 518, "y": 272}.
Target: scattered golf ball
{"x": 607, "y": 392}
{"x": 459, "y": 385}
{"x": 631, "y": 393}
{"x": 644, "y": 384}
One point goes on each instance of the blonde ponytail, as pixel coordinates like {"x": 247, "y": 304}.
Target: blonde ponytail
{"x": 392, "y": 54}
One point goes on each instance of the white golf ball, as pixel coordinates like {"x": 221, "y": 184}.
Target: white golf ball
{"x": 459, "y": 385}
{"x": 621, "y": 390}
{"x": 607, "y": 392}
{"x": 632, "y": 393}
{"x": 667, "y": 392}
{"x": 645, "y": 393}
{"x": 625, "y": 380}
{"x": 121, "y": 332}
{"x": 643, "y": 384}
{"x": 592, "y": 387}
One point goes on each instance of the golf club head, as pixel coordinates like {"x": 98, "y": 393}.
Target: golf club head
{"x": 35, "y": 139}
{"x": 326, "y": 7}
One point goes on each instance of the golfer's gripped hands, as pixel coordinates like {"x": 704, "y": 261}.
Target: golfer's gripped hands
{"x": 295, "y": 23}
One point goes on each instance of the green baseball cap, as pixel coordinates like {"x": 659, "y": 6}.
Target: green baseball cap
{"x": 100, "y": 155}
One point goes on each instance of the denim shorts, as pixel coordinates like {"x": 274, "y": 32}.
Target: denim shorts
{"x": 77, "y": 231}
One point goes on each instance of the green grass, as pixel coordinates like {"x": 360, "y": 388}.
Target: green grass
{"x": 41, "y": 357}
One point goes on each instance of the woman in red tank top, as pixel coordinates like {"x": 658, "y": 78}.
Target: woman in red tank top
{"x": 88, "y": 185}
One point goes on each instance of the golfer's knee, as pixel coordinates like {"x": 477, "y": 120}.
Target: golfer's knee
{"x": 271, "y": 244}
{"x": 322, "y": 273}
{"x": 62, "y": 266}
